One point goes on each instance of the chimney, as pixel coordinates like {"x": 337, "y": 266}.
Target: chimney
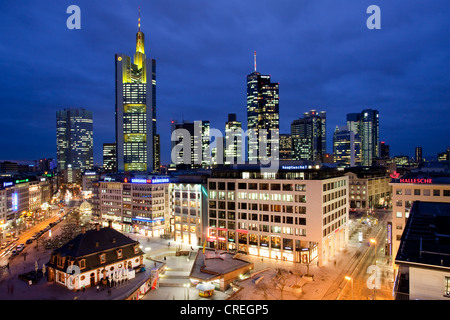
{"x": 83, "y": 230}
{"x": 110, "y": 224}
{"x": 97, "y": 226}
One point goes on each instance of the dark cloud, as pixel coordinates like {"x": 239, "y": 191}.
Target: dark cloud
{"x": 320, "y": 52}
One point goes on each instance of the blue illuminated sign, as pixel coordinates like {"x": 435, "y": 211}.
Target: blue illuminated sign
{"x": 15, "y": 202}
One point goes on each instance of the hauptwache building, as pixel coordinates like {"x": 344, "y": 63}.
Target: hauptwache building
{"x": 299, "y": 213}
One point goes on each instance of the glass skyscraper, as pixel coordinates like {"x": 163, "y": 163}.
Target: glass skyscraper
{"x": 262, "y": 114}
{"x": 233, "y": 140}
{"x": 136, "y": 138}
{"x": 74, "y": 139}
{"x": 308, "y": 136}
{"x": 366, "y": 124}
{"x": 346, "y": 147}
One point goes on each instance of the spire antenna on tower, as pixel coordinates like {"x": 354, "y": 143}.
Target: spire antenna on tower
{"x": 139, "y": 19}
{"x": 255, "y": 59}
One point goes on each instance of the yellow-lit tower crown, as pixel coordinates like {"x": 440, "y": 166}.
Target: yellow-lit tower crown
{"x": 139, "y": 56}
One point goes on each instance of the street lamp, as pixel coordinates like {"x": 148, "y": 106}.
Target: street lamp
{"x": 351, "y": 280}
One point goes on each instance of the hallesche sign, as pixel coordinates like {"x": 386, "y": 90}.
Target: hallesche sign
{"x": 416, "y": 181}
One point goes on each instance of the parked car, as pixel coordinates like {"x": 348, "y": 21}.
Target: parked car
{"x": 20, "y": 247}
{"x": 29, "y": 241}
{"x": 14, "y": 252}
{"x": 4, "y": 245}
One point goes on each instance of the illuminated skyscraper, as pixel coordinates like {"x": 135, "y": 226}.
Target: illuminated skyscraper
{"x": 136, "y": 138}
{"x": 309, "y": 136}
{"x": 366, "y": 124}
{"x": 346, "y": 147}
{"x": 233, "y": 140}
{"x": 262, "y": 115}
{"x": 109, "y": 157}
{"x": 74, "y": 139}
{"x": 370, "y": 136}
{"x": 198, "y": 146}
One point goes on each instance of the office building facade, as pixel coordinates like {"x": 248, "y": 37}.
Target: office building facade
{"x": 136, "y": 148}
{"x": 294, "y": 215}
{"x": 74, "y": 139}
{"x": 309, "y": 136}
{"x": 415, "y": 186}
{"x": 263, "y": 122}
{"x": 191, "y": 144}
{"x": 233, "y": 141}
{"x": 109, "y": 157}
{"x": 346, "y": 147}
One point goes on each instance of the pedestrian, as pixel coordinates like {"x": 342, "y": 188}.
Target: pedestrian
{"x": 109, "y": 291}
{"x": 84, "y": 288}
{"x": 98, "y": 288}
{"x": 334, "y": 263}
{"x": 164, "y": 258}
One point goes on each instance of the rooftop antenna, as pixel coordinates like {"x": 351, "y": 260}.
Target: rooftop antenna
{"x": 254, "y": 57}
{"x": 139, "y": 19}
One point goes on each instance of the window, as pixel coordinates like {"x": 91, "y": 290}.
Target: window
{"x": 102, "y": 258}
{"x": 436, "y": 193}
{"x": 398, "y": 191}
{"x": 426, "y": 192}
{"x": 399, "y": 214}
{"x": 82, "y": 264}
{"x": 408, "y": 192}
{"x": 119, "y": 254}
{"x": 446, "y": 193}
{"x": 398, "y": 203}
{"x": 417, "y": 192}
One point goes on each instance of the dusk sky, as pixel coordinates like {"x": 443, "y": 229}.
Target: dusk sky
{"x": 321, "y": 53}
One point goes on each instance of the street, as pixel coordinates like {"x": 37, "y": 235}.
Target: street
{"x": 370, "y": 277}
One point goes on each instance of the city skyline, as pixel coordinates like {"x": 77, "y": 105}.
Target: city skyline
{"x": 322, "y": 55}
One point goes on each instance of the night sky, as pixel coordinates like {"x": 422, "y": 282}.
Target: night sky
{"x": 321, "y": 53}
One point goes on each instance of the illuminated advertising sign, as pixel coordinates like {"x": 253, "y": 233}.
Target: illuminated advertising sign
{"x": 419, "y": 181}
{"x": 294, "y": 167}
{"x": 151, "y": 181}
{"x": 389, "y": 237}
{"x": 15, "y": 202}
{"x": 7, "y": 184}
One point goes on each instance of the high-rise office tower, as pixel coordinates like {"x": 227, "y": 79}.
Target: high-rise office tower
{"x": 136, "y": 137}
{"x": 384, "y": 150}
{"x": 262, "y": 115}
{"x": 109, "y": 157}
{"x": 366, "y": 124}
{"x": 198, "y": 145}
{"x": 353, "y": 122}
{"x": 309, "y": 136}
{"x": 233, "y": 140}
{"x": 418, "y": 155}
{"x": 74, "y": 139}
{"x": 370, "y": 136}
{"x": 285, "y": 147}
{"x": 346, "y": 147}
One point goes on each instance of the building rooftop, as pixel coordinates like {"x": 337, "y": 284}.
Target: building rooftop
{"x": 213, "y": 264}
{"x": 426, "y": 237}
{"x": 93, "y": 241}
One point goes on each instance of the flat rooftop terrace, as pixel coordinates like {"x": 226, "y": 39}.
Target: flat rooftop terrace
{"x": 213, "y": 264}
